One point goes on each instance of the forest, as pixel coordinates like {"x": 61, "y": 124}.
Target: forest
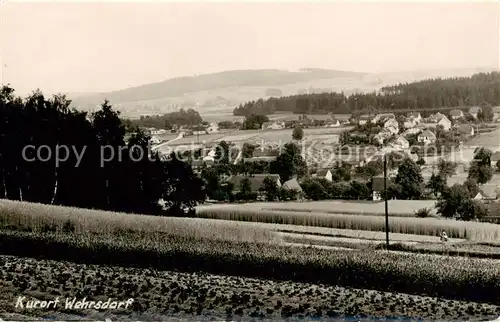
{"x": 481, "y": 89}
{"x": 133, "y": 180}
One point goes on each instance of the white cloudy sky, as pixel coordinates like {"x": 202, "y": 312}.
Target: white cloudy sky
{"x": 71, "y": 47}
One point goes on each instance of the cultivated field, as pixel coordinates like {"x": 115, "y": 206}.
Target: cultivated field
{"x": 161, "y": 296}
{"x": 292, "y": 247}
{"x": 259, "y": 136}
{"x": 420, "y": 226}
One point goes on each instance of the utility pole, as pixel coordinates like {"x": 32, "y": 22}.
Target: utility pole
{"x": 386, "y": 205}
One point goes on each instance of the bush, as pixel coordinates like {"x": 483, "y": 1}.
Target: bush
{"x": 423, "y": 213}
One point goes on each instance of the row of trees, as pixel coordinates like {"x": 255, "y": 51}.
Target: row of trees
{"x": 481, "y": 89}
{"x": 94, "y": 167}
{"x": 183, "y": 117}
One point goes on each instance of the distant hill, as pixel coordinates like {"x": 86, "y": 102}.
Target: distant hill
{"x": 221, "y": 92}
{"x": 181, "y": 86}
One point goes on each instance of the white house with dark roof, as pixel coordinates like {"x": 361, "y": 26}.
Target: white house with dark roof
{"x": 496, "y": 113}
{"x": 445, "y": 123}
{"x": 474, "y": 111}
{"x": 323, "y": 173}
{"x": 427, "y": 136}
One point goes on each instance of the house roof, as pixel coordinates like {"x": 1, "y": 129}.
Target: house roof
{"x": 257, "y": 159}
{"x": 414, "y": 114}
{"x": 199, "y": 163}
{"x": 322, "y": 172}
{"x": 490, "y": 191}
{"x": 456, "y": 113}
{"x": 474, "y": 109}
{"x": 256, "y": 180}
{"x": 292, "y": 184}
{"x": 320, "y": 117}
{"x": 443, "y": 118}
{"x": 428, "y": 133}
{"x": 495, "y": 156}
{"x": 402, "y": 139}
{"x": 465, "y": 128}
{"x": 265, "y": 152}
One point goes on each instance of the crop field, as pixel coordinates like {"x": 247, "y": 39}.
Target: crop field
{"x": 474, "y": 231}
{"x": 164, "y": 295}
{"x": 155, "y": 246}
{"x": 403, "y": 208}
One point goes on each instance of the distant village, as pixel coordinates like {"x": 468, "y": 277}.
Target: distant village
{"x": 383, "y": 133}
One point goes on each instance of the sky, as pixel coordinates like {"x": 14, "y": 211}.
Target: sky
{"x": 104, "y": 46}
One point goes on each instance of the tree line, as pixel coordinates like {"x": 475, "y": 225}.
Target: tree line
{"x": 481, "y": 89}
{"x": 131, "y": 179}
{"x": 183, "y": 117}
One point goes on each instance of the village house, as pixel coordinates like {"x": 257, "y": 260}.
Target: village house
{"x": 383, "y": 117}
{"x": 378, "y": 187}
{"x": 435, "y": 118}
{"x": 456, "y": 114}
{"x": 257, "y": 159}
{"x": 382, "y": 136}
{"x": 466, "y": 129}
{"x": 292, "y": 184}
{"x": 427, "y": 136}
{"x": 324, "y": 174}
{"x": 274, "y": 125}
{"x": 496, "y": 113}
{"x": 400, "y": 143}
{"x": 213, "y": 128}
{"x": 392, "y": 126}
{"x": 410, "y": 123}
{"x": 412, "y": 131}
{"x": 363, "y": 119}
{"x": 416, "y": 116}
{"x": 155, "y": 140}
{"x": 474, "y": 111}
{"x": 445, "y": 123}
{"x": 488, "y": 192}
{"x": 154, "y": 131}
{"x": 495, "y": 157}
{"x": 256, "y": 181}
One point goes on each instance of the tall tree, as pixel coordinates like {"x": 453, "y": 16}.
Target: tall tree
{"x": 410, "y": 179}
{"x": 289, "y": 163}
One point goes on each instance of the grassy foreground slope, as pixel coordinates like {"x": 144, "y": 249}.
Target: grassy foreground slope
{"x": 60, "y": 233}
